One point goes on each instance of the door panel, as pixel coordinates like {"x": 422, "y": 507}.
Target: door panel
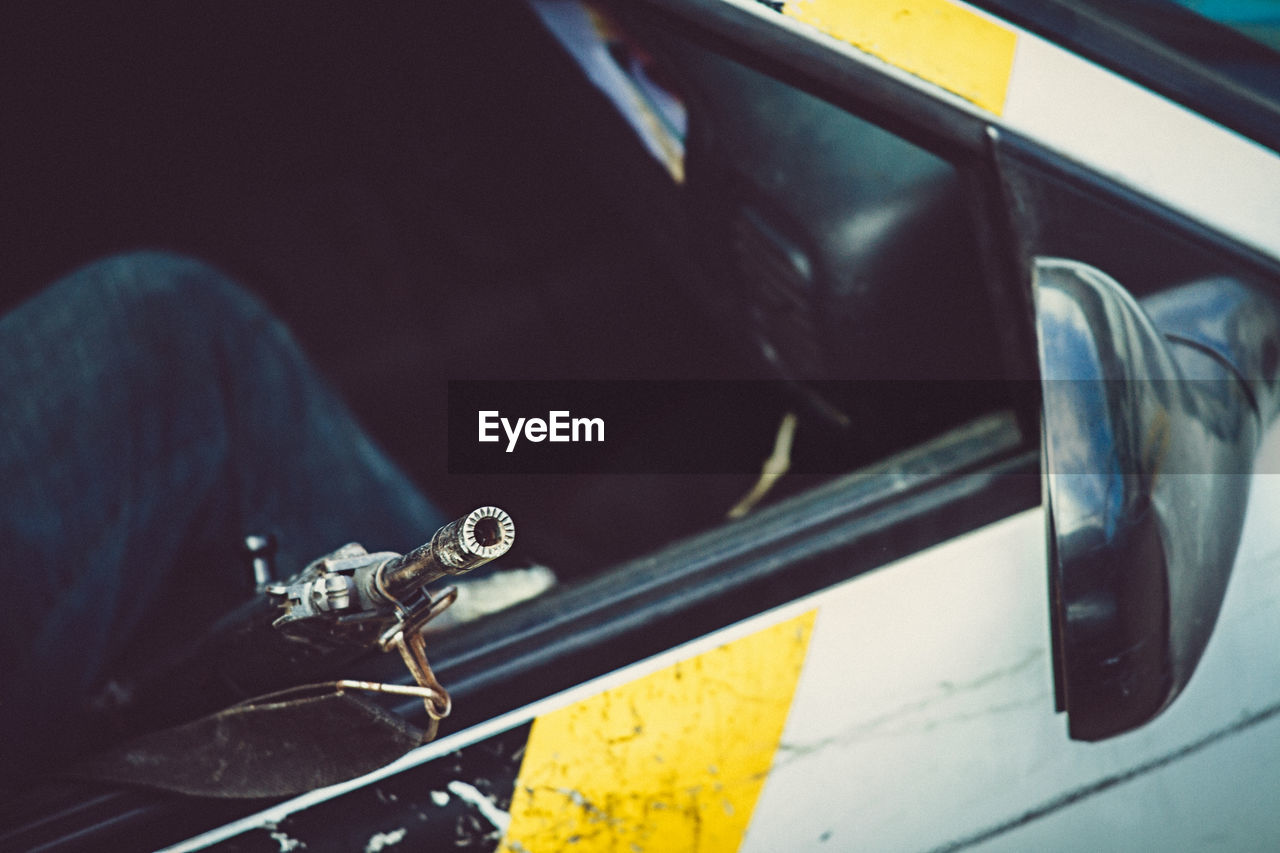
{"x": 924, "y": 717}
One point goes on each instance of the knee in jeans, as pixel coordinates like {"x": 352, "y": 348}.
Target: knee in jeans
{"x": 173, "y": 285}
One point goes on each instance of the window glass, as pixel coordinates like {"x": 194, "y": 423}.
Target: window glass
{"x": 836, "y": 260}
{"x": 1258, "y": 19}
{"x": 1238, "y": 39}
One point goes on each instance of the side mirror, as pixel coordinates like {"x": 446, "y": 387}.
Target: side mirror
{"x": 1152, "y": 415}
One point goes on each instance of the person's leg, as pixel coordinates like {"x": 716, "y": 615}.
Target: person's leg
{"x": 151, "y": 415}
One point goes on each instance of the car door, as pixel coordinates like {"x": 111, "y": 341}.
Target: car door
{"x": 869, "y": 663}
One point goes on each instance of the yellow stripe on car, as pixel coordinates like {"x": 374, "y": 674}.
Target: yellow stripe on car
{"x": 939, "y": 41}
{"x": 674, "y": 760}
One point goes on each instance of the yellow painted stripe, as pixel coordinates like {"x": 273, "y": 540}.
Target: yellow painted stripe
{"x": 936, "y": 40}
{"x": 674, "y": 760}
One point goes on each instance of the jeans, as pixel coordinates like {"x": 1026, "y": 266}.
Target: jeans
{"x": 152, "y": 414}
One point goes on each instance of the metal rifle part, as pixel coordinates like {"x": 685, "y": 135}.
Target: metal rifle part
{"x": 349, "y": 593}
{"x": 460, "y": 546}
{"x": 352, "y": 586}
{"x": 261, "y": 549}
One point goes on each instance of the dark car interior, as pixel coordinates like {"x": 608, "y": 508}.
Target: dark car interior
{"x": 435, "y": 192}
{"x": 406, "y": 191}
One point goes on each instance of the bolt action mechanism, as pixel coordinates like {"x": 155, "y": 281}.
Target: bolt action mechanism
{"x": 381, "y": 599}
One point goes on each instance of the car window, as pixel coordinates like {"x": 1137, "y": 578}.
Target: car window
{"x": 1257, "y": 19}
{"x": 1203, "y": 30}
{"x": 819, "y": 254}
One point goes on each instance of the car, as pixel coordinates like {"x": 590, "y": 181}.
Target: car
{"x": 935, "y": 351}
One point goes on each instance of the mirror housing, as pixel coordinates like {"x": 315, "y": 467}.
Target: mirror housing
{"x": 1152, "y": 416}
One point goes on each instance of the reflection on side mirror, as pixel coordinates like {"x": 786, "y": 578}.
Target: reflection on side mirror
{"x": 1152, "y": 417}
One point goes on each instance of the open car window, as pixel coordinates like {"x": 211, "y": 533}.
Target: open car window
{"x": 847, "y": 301}
{"x": 784, "y": 258}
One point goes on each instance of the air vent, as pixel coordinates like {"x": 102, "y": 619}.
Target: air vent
{"x": 778, "y": 279}
{"x": 776, "y": 269}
